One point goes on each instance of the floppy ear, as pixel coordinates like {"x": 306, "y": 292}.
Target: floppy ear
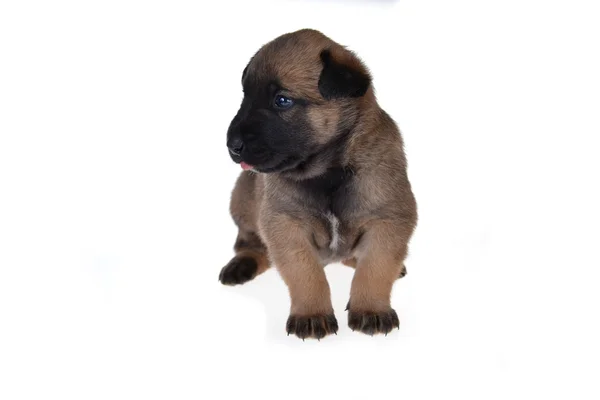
{"x": 245, "y": 71}
{"x": 246, "y": 68}
{"x": 342, "y": 77}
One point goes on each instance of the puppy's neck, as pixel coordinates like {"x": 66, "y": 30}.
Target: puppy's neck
{"x": 332, "y": 156}
{"x": 338, "y": 153}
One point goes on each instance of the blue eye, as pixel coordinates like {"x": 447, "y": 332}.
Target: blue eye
{"x": 282, "y": 102}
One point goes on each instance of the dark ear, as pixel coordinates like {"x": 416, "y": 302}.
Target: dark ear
{"x": 245, "y": 72}
{"x": 246, "y": 69}
{"x": 342, "y": 78}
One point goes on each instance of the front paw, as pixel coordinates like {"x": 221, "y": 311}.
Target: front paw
{"x": 315, "y": 326}
{"x": 373, "y": 322}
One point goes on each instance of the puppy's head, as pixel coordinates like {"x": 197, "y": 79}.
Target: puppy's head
{"x": 302, "y": 96}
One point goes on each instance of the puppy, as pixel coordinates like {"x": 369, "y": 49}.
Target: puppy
{"x": 324, "y": 181}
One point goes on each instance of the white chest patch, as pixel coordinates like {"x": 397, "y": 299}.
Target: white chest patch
{"x": 334, "y": 225}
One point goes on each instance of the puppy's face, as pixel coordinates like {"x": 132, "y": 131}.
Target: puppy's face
{"x": 301, "y": 94}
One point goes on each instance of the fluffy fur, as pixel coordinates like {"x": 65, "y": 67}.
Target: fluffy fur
{"x": 329, "y": 184}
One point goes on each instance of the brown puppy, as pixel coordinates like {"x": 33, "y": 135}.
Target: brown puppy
{"x": 325, "y": 180}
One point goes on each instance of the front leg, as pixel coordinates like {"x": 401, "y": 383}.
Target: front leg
{"x": 311, "y": 313}
{"x": 379, "y": 262}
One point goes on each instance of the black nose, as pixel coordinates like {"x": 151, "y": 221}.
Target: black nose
{"x": 235, "y": 146}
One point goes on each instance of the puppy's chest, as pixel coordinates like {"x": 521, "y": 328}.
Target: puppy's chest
{"x": 336, "y": 232}
{"x": 333, "y": 239}
{"x": 331, "y": 204}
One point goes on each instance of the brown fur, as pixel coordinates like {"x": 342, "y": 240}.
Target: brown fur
{"x": 276, "y": 225}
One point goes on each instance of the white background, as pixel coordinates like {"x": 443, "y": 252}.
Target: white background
{"x": 115, "y": 183}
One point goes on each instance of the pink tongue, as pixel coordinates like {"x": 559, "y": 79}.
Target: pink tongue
{"x": 245, "y": 166}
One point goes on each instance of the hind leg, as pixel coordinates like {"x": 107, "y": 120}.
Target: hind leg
{"x": 351, "y": 262}
{"x": 250, "y": 260}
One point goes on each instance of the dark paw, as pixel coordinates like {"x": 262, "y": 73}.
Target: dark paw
{"x": 402, "y": 273}
{"x": 238, "y": 271}
{"x": 316, "y": 326}
{"x": 372, "y": 323}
